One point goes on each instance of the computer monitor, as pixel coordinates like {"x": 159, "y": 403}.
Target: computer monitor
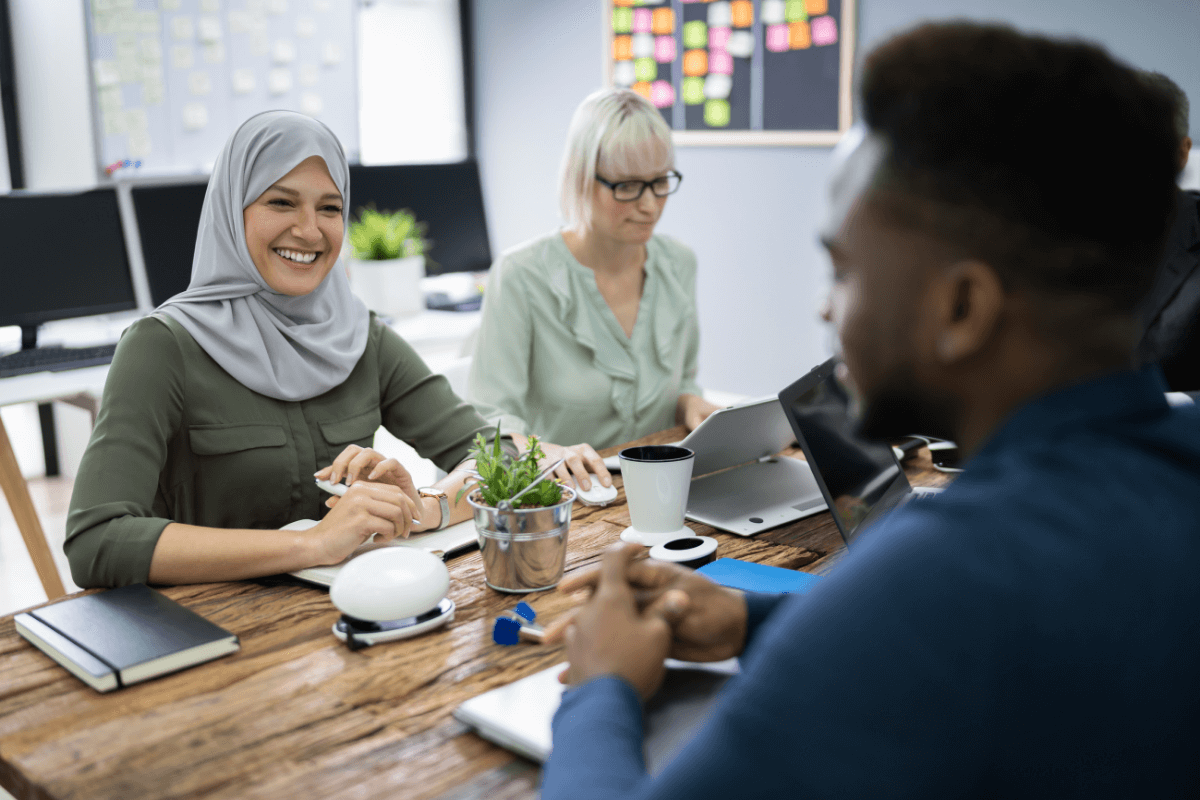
{"x": 168, "y": 218}
{"x": 66, "y": 258}
{"x": 860, "y": 479}
{"x": 446, "y": 197}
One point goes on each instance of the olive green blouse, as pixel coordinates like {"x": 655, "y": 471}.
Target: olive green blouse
{"x": 180, "y": 440}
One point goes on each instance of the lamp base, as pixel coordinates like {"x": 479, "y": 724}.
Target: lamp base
{"x": 632, "y": 534}
{"x": 360, "y": 633}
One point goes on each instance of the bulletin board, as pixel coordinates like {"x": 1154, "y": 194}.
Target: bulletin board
{"x": 172, "y": 79}
{"x": 737, "y": 72}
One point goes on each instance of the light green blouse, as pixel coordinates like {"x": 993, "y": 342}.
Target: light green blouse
{"x": 553, "y": 357}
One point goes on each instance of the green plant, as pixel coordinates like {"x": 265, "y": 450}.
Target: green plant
{"x": 378, "y": 236}
{"x": 501, "y": 477}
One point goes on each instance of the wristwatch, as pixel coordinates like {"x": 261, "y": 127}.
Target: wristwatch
{"x": 443, "y": 503}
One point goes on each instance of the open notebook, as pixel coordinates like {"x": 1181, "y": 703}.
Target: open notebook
{"x": 442, "y": 543}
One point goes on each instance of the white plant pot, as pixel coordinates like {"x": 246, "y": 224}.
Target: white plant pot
{"x": 391, "y": 288}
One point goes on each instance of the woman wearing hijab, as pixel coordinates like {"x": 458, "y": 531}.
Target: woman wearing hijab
{"x": 589, "y": 333}
{"x": 221, "y": 406}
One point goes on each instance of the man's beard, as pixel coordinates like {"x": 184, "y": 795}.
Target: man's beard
{"x": 900, "y": 406}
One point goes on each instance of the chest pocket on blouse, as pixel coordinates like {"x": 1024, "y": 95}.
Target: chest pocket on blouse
{"x": 243, "y": 474}
{"x": 359, "y": 429}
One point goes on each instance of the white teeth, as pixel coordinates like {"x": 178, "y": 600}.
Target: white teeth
{"x": 299, "y": 258}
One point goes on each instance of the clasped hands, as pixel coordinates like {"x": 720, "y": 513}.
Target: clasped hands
{"x": 641, "y": 612}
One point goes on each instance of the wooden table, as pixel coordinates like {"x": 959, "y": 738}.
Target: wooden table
{"x": 295, "y": 714}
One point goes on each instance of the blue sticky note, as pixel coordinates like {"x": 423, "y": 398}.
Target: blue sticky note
{"x": 525, "y": 611}
{"x": 506, "y": 631}
{"x": 751, "y": 577}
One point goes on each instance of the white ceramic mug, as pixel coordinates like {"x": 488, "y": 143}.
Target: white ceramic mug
{"x": 657, "y": 479}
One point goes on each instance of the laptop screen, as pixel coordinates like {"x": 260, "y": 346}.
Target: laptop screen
{"x": 860, "y": 479}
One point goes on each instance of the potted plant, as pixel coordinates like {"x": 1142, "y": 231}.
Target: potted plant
{"x": 388, "y": 260}
{"x": 521, "y": 518}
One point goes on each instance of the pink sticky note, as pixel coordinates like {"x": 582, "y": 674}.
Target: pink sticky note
{"x": 777, "y": 38}
{"x": 662, "y": 94}
{"x": 824, "y": 30}
{"x": 642, "y": 20}
{"x": 664, "y": 49}
{"x": 718, "y": 38}
{"x": 720, "y": 62}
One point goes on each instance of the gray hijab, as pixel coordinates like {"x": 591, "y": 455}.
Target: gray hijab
{"x": 288, "y": 348}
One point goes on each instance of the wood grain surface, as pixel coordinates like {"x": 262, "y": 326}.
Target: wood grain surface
{"x": 295, "y": 714}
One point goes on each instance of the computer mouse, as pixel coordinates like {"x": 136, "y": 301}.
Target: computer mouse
{"x": 389, "y": 584}
{"x": 598, "y": 495}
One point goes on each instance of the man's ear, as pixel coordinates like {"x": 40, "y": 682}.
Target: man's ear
{"x": 967, "y": 304}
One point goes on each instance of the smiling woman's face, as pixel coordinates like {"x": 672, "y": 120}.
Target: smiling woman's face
{"x": 294, "y": 229}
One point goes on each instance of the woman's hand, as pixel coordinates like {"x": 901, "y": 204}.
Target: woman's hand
{"x": 708, "y": 620}
{"x": 367, "y": 508}
{"x": 364, "y": 464}
{"x": 580, "y": 460}
{"x": 692, "y": 409}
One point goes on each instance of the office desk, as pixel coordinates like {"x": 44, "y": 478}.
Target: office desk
{"x": 295, "y": 714}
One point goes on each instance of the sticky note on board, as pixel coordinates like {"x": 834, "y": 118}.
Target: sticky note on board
{"x": 331, "y": 54}
{"x": 695, "y": 34}
{"x": 662, "y": 22}
{"x": 169, "y": 5}
{"x": 311, "y": 104}
{"x": 718, "y": 87}
{"x": 149, "y": 22}
{"x": 277, "y": 7}
{"x": 210, "y": 6}
{"x": 110, "y": 99}
{"x": 645, "y": 69}
{"x": 824, "y": 31}
{"x": 695, "y": 62}
{"x": 774, "y": 12}
{"x": 741, "y": 44}
{"x": 152, "y": 52}
{"x": 799, "y": 36}
{"x": 195, "y": 116}
{"x": 777, "y": 38}
{"x": 664, "y": 49}
{"x": 716, "y": 113}
{"x": 720, "y": 61}
{"x": 795, "y": 11}
{"x": 816, "y": 7}
{"x": 622, "y": 20}
{"x": 642, "y": 88}
{"x": 642, "y": 20}
{"x": 153, "y": 92}
{"x": 643, "y": 45}
{"x": 209, "y": 29}
{"x": 279, "y": 81}
{"x": 662, "y": 94}
{"x": 283, "y": 52}
{"x": 718, "y": 38}
{"x": 720, "y": 14}
{"x": 623, "y": 73}
{"x": 693, "y": 91}
{"x": 243, "y": 81}
{"x": 622, "y": 48}
{"x": 742, "y": 13}
{"x": 106, "y": 72}
{"x": 306, "y": 27}
{"x": 139, "y": 144}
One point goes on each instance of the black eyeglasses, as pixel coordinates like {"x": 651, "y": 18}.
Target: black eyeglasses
{"x": 628, "y": 191}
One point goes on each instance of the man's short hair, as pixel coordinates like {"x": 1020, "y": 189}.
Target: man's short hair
{"x": 1180, "y": 98}
{"x": 1045, "y": 158}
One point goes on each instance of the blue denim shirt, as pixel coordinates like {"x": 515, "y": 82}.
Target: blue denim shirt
{"x": 1034, "y": 631}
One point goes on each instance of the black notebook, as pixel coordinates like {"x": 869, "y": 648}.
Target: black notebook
{"x": 123, "y": 636}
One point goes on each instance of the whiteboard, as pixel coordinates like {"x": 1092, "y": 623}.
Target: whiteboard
{"x": 172, "y": 79}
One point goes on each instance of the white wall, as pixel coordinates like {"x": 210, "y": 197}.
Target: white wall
{"x": 51, "y": 63}
{"x": 750, "y": 213}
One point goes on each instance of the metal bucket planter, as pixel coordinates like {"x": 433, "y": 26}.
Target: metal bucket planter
{"x": 525, "y": 549}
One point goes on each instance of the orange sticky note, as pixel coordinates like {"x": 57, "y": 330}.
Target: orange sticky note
{"x": 743, "y": 13}
{"x": 622, "y": 48}
{"x": 816, "y": 7}
{"x": 695, "y": 62}
{"x": 663, "y": 22}
{"x": 642, "y": 88}
{"x": 799, "y": 36}
{"x": 622, "y": 2}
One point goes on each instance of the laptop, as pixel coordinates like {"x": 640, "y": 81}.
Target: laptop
{"x": 739, "y": 484}
{"x": 860, "y": 480}
{"x": 518, "y": 716}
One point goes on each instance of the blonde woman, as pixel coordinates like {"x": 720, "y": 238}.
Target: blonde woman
{"x": 589, "y": 333}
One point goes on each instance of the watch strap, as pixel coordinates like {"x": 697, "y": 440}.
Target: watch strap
{"x": 443, "y": 504}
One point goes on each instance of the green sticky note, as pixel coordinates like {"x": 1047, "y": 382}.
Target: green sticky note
{"x": 645, "y": 69}
{"x": 693, "y": 91}
{"x": 716, "y": 113}
{"x": 695, "y": 34}
{"x": 795, "y": 11}
{"x": 622, "y": 20}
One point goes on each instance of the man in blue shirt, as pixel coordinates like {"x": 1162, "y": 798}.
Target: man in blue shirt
{"x": 1033, "y": 631}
